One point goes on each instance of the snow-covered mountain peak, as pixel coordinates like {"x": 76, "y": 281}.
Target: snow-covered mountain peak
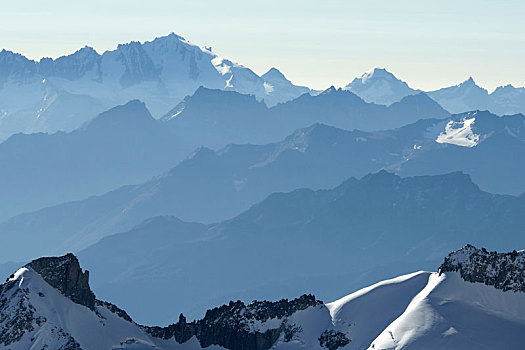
{"x": 43, "y": 306}
{"x": 380, "y": 86}
{"x": 377, "y": 73}
{"x": 476, "y": 298}
{"x": 160, "y": 72}
{"x": 443, "y": 310}
{"x": 504, "y": 271}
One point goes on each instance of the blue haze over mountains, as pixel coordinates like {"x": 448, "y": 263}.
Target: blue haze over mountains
{"x": 126, "y": 145}
{"x": 62, "y": 94}
{"x": 248, "y": 186}
{"x": 315, "y": 241}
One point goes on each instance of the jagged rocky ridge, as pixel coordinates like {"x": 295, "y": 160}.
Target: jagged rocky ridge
{"x": 258, "y": 325}
{"x": 407, "y": 312}
{"x": 505, "y": 271}
{"x": 234, "y": 326}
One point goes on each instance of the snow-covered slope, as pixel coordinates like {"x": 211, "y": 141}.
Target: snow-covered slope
{"x": 475, "y": 301}
{"x": 366, "y": 312}
{"x": 380, "y": 86}
{"x": 48, "y": 304}
{"x": 421, "y": 220}
{"x": 61, "y": 94}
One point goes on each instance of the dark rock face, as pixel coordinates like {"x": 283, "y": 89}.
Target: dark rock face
{"x": 504, "y": 271}
{"x": 114, "y": 309}
{"x": 229, "y": 325}
{"x": 333, "y": 340}
{"x": 18, "y": 320}
{"x": 64, "y": 273}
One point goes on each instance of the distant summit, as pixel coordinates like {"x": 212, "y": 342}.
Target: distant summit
{"x": 45, "y": 95}
{"x": 380, "y": 86}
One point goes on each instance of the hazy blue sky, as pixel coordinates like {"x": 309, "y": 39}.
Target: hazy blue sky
{"x": 317, "y": 43}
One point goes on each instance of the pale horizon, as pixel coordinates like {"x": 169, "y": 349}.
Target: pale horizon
{"x": 426, "y": 44}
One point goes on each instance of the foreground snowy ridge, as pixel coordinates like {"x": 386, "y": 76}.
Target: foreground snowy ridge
{"x": 476, "y": 300}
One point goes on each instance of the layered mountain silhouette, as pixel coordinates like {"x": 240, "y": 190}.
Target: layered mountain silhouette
{"x": 123, "y": 145}
{"x": 214, "y": 118}
{"x": 127, "y": 145}
{"x": 211, "y": 186}
{"x": 365, "y": 230}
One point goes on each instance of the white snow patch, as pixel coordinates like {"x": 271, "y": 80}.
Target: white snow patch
{"x": 19, "y": 275}
{"x": 450, "y": 331}
{"x": 268, "y": 88}
{"x": 459, "y": 133}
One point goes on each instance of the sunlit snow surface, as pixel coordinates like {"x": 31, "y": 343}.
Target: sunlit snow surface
{"x": 422, "y": 310}
{"x": 459, "y": 133}
{"x": 64, "y": 317}
{"x": 431, "y": 311}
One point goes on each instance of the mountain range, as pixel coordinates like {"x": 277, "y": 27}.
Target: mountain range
{"x": 380, "y": 86}
{"x": 317, "y": 157}
{"x": 41, "y": 170}
{"x": 61, "y": 94}
{"x": 475, "y": 299}
{"x": 421, "y": 217}
{"x": 183, "y": 180}
{"x": 126, "y": 145}
{"x": 122, "y": 145}
{"x": 214, "y": 118}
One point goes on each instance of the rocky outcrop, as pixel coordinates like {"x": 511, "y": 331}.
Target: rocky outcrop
{"x": 237, "y": 326}
{"x": 333, "y": 340}
{"x": 504, "y": 271}
{"x": 64, "y": 273}
{"x": 114, "y": 309}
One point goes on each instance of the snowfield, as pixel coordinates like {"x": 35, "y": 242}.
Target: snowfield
{"x": 421, "y": 310}
{"x": 459, "y": 133}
